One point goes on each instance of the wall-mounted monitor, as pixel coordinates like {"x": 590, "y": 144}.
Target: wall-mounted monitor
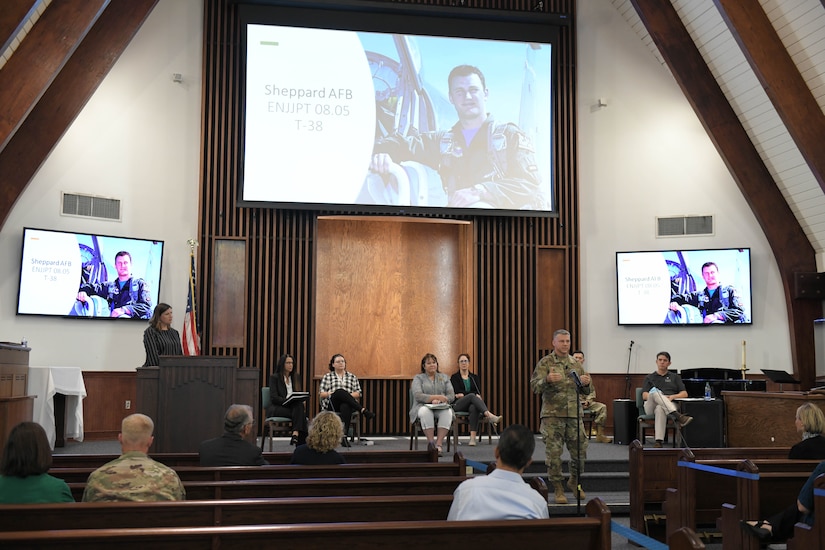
{"x": 684, "y": 287}
{"x": 83, "y": 275}
{"x": 362, "y": 107}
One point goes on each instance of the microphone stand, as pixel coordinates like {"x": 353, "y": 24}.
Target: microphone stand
{"x": 627, "y": 374}
{"x": 579, "y": 429}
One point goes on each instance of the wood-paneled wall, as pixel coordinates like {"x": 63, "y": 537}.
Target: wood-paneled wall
{"x": 280, "y": 245}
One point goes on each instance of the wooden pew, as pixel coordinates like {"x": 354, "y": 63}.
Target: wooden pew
{"x": 812, "y": 536}
{"x": 653, "y": 471}
{"x": 212, "y": 513}
{"x": 458, "y": 467}
{"x": 292, "y": 488}
{"x": 590, "y": 532}
{"x": 707, "y": 491}
{"x": 357, "y": 456}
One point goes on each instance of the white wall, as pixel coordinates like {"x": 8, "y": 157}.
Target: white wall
{"x": 136, "y": 140}
{"x": 646, "y": 155}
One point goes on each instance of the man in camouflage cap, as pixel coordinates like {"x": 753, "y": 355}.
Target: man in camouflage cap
{"x": 560, "y": 421}
{"x": 134, "y": 476}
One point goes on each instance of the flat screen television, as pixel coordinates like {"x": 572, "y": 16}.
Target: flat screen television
{"x": 684, "y": 287}
{"x": 347, "y": 107}
{"x": 83, "y": 275}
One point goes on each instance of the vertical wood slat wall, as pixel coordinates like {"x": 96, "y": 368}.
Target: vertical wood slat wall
{"x": 280, "y": 244}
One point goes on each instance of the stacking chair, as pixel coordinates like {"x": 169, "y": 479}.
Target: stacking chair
{"x": 463, "y": 419}
{"x": 355, "y": 426}
{"x": 415, "y": 429}
{"x": 281, "y": 425}
{"x": 648, "y": 422}
{"x": 587, "y": 420}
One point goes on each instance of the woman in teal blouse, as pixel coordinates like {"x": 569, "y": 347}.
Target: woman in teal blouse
{"x": 26, "y": 459}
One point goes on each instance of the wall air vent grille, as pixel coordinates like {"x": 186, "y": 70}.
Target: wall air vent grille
{"x": 89, "y": 206}
{"x": 678, "y": 226}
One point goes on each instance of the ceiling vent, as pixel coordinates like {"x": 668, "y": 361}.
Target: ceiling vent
{"x": 89, "y": 206}
{"x": 680, "y": 226}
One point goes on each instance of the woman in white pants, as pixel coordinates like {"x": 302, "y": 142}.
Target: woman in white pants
{"x": 432, "y": 394}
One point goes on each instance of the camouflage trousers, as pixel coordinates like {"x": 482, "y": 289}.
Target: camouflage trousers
{"x": 557, "y": 432}
{"x": 599, "y": 411}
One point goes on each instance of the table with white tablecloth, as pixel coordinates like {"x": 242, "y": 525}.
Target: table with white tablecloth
{"x": 45, "y": 382}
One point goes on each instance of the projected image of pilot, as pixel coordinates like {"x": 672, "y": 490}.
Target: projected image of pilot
{"x": 481, "y": 162}
{"x": 717, "y": 303}
{"x": 126, "y": 296}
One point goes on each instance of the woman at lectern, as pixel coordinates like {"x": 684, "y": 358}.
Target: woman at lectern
{"x": 810, "y": 423}
{"x": 281, "y": 385}
{"x": 160, "y": 338}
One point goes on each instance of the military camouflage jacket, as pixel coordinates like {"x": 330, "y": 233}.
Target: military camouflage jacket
{"x": 558, "y": 399}
{"x": 133, "y": 476}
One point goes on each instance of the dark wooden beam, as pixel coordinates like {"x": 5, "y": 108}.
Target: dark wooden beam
{"x": 66, "y": 96}
{"x": 780, "y": 78}
{"x": 13, "y": 16}
{"x": 35, "y": 63}
{"x": 790, "y": 245}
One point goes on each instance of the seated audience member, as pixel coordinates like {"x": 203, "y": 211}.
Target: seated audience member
{"x": 26, "y": 459}
{"x": 340, "y": 392}
{"x": 780, "y": 526}
{"x": 599, "y": 410}
{"x": 467, "y": 388}
{"x": 659, "y": 390}
{"x": 325, "y": 432}
{"x": 281, "y": 385}
{"x": 810, "y": 422}
{"x": 133, "y": 475}
{"x": 432, "y": 394}
{"x": 502, "y": 494}
{"x": 232, "y": 449}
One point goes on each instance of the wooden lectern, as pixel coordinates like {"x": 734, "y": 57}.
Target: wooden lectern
{"x": 187, "y": 397}
{"x": 15, "y": 405}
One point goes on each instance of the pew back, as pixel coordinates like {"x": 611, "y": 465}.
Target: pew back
{"x": 230, "y": 473}
{"x": 207, "y": 513}
{"x": 284, "y": 488}
{"x": 355, "y": 456}
{"x": 703, "y": 487}
{"x": 653, "y": 471}
{"x": 590, "y": 532}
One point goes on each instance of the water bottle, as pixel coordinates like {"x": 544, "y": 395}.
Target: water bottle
{"x": 708, "y": 396}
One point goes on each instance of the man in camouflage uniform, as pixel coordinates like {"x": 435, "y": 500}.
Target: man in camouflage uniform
{"x": 560, "y": 420}
{"x": 134, "y": 476}
{"x": 598, "y": 410}
{"x": 482, "y": 163}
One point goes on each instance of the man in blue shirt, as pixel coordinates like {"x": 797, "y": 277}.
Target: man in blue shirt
{"x": 502, "y": 494}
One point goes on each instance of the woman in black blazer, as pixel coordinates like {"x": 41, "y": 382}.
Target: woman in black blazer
{"x": 468, "y": 396}
{"x": 281, "y": 385}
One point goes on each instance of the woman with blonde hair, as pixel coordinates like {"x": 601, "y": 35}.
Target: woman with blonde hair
{"x": 325, "y": 433}
{"x": 810, "y": 422}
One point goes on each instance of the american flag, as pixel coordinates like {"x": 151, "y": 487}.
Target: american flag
{"x": 191, "y": 340}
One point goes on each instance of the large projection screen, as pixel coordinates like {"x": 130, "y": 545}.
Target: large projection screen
{"x": 354, "y": 110}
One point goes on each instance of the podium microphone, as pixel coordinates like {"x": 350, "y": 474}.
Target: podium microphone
{"x": 576, "y": 379}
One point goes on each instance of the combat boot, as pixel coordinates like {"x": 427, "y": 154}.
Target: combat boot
{"x": 560, "y": 498}
{"x": 573, "y": 485}
{"x": 600, "y": 437}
